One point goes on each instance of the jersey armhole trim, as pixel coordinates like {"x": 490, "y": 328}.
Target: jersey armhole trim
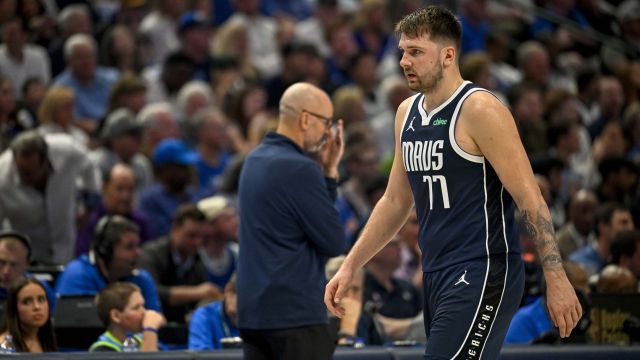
{"x": 452, "y": 131}
{"x": 406, "y": 116}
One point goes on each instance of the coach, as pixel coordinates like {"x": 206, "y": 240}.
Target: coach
{"x": 289, "y": 227}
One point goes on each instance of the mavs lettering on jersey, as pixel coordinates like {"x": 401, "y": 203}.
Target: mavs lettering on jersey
{"x": 462, "y": 207}
{"x": 425, "y": 156}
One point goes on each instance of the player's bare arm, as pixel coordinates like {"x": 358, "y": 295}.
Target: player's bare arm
{"x": 487, "y": 128}
{"x": 389, "y": 214}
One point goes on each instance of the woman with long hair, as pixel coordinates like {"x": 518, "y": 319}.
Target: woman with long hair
{"x": 27, "y": 318}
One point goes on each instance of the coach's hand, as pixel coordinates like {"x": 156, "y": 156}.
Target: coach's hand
{"x": 333, "y": 149}
{"x": 336, "y": 289}
{"x": 564, "y": 308}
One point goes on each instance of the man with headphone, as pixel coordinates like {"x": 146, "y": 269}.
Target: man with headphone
{"x": 113, "y": 257}
{"x": 15, "y": 257}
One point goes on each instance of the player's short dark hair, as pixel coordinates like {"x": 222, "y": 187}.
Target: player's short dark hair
{"x": 435, "y": 21}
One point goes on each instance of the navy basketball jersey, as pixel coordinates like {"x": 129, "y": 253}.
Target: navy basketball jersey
{"x": 465, "y": 212}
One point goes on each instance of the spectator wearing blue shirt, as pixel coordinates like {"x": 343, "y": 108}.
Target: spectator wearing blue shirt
{"x": 610, "y": 219}
{"x": 213, "y": 142}
{"x": 91, "y": 84}
{"x": 113, "y": 257}
{"x": 219, "y": 252}
{"x": 528, "y": 323}
{"x": 288, "y": 230}
{"x": 173, "y": 160}
{"x": 15, "y": 256}
{"x": 475, "y": 25}
{"x": 532, "y": 321}
{"x": 215, "y": 321}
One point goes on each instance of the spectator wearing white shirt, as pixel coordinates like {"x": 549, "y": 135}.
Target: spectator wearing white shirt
{"x": 41, "y": 180}
{"x": 261, "y": 31}
{"x": 160, "y": 27}
{"x": 20, "y": 60}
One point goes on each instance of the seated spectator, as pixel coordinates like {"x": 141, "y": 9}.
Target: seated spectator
{"x": 129, "y": 92}
{"x": 219, "y": 252}
{"x": 355, "y": 325}
{"x": 121, "y": 309}
{"x": 176, "y": 267}
{"x": 33, "y": 92}
{"x": 159, "y": 124}
{"x": 121, "y": 137}
{"x": 15, "y": 256}
{"x": 173, "y": 161}
{"x": 20, "y": 60}
{"x": 44, "y": 180}
{"x": 213, "y": 144}
{"x": 215, "y": 321}
{"x": 91, "y": 83}
{"x": 410, "y": 268}
{"x": 532, "y": 321}
{"x": 385, "y": 293}
{"x": 614, "y": 279}
{"x": 56, "y": 114}
{"x": 625, "y": 250}
{"x": 387, "y": 297}
{"x": 609, "y": 219}
{"x": 164, "y": 80}
{"x": 117, "y": 199}
{"x": 113, "y": 257}
{"x": 27, "y": 318}
{"x": 578, "y": 231}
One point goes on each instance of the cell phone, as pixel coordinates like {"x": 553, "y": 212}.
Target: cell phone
{"x": 334, "y": 130}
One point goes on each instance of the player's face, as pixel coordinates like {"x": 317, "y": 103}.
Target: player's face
{"x": 421, "y": 63}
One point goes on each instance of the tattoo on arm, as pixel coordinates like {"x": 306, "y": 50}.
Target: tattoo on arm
{"x": 540, "y": 229}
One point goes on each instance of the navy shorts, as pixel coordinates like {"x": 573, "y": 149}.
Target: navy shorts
{"x": 469, "y": 306}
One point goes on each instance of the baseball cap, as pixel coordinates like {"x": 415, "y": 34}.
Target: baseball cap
{"x": 173, "y": 151}
{"x": 192, "y": 19}
{"x": 214, "y": 206}
{"x": 121, "y": 121}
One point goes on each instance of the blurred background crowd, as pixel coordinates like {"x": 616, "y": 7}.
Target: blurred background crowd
{"x": 145, "y": 109}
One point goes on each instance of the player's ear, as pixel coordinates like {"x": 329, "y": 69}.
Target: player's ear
{"x": 448, "y": 55}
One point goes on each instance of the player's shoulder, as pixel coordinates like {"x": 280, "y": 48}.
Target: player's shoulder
{"x": 406, "y": 103}
{"x": 481, "y": 100}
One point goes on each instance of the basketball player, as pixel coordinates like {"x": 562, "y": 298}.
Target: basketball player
{"x": 459, "y": 160}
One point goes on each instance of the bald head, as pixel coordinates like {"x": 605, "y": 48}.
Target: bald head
{"x": 118, "y": 190}
{"x": 305, "y": 96}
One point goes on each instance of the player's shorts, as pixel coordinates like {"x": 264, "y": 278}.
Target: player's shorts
{"x": 469, "y": 306}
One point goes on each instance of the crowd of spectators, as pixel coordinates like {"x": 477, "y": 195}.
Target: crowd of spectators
{"x": 125, "y": 122}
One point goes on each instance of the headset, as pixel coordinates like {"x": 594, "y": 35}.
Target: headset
{"x": 102, "y": 244}
{"x": 23, "y": 238}
{"x": 107, "y": 234}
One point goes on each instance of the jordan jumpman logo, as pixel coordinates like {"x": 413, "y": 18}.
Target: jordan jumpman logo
{"x": 411, "y": 124}
{"x": 462, "y": 280}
